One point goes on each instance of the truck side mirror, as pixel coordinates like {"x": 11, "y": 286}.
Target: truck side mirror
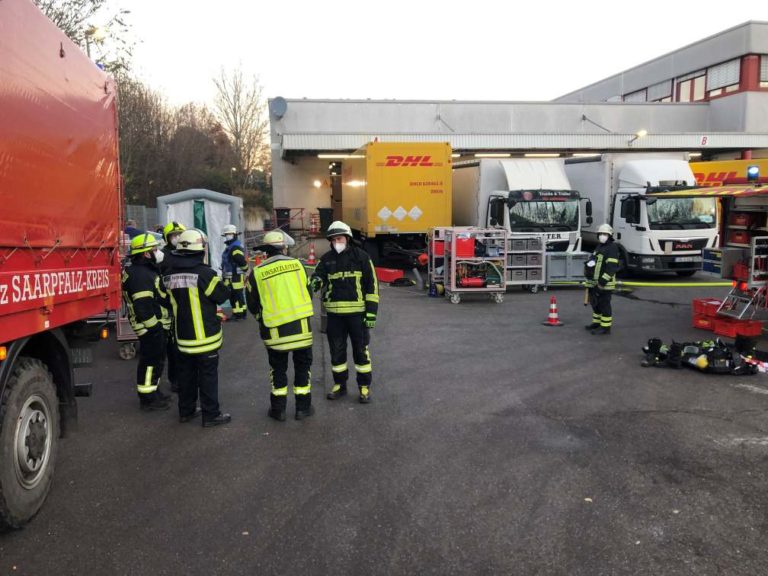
{"x": 589, "y": 220}
{"x": 589, "y": 208}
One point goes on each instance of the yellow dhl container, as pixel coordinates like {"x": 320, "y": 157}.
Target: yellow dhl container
{"x": 397, "y": 188}
{"x": 716, "y": 172}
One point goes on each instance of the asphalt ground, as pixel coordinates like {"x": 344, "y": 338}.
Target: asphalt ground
{"x": 493, "y": 445}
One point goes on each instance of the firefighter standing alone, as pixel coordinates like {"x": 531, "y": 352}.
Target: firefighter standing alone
{"x": 195, "y": 290}
{"x": 234, "y": 266}
{"x": 147, "y": 304}
{"x": 278, "y": 297}
{"x": 600, "y": 274}
{"x": 350, "y": 293}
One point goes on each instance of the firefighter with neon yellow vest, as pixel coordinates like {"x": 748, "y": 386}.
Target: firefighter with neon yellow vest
{"x": 278, "y": 296}
{"x": 195, "y": 291}
{"x": 350, "y": 293}
{"x": 600, "y": 279}
{"x": 148, "y": 312}
{"x": 234, "y": 266}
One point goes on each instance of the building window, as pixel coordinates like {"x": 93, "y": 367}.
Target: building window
{"x": 639, "y": 96}
{"x": 658, "y": 92}
{"x": 692, "y": 90}
{"x": 764, "y": 71}
{"x": 723, "y": 78}
{"x": 666, "y": 99}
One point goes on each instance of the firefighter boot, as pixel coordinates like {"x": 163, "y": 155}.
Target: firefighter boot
{"x": 151, "y": 403}
{"x": 276, "y": 414}
{"x": 601, "y": 331}
{"x": 337, "y": 392}
{"x": 592, "y": 326}
{"x": 305, "y": 413}
{"x": 365, "y": 394}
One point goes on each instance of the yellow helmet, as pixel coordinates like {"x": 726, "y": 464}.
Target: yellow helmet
{"x": 144, "y": 242}
{"x": 273, "y": 239}
{"x": 192, "y": 240}
{"x": 172, "y": 228}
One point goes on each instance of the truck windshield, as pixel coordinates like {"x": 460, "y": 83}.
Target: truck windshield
{"x": 682, "y": 213}
{"x": 525, "y": 216}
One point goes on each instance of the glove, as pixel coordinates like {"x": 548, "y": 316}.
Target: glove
{"x": 370, "y": 321}
{"x": 315, "y": 283}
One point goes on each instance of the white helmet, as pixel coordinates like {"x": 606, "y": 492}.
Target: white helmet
{"x": 338, "y": 228}
{"x": 605, "y": 229}
{"x": 191, "y": 240}
{"x": 229, "y": 229}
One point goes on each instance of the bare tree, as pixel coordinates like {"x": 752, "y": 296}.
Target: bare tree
{"x": 241, "y": 110}
{"x": 91, "y": 24}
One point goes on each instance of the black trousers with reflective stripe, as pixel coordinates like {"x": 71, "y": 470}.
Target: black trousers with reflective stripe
{"x": 302, "y": 363}
{"x": 172, "y": 353}
{"x": 601, "y": 306}
{"x": 341, "y": 327}
{"x": 199, "y": 374}
{"x": 236, "y": 297}
{"x": 151, "y": 359}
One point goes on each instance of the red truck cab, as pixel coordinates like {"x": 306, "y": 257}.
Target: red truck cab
{"x": 60, "y": 220}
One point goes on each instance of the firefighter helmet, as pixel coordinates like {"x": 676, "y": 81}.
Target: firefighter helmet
{"x": 144, "y": 242}
{"x": 172, "y": 228}
{"x": 191, "y": 240}
{"x": 272, "y": 239}
{"x": 605, "y": 229}
{"x": 229, "y": 229}
{"x": 338, "y": 228}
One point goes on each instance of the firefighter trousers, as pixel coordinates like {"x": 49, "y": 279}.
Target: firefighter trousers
{"x": 341, "y": 327}
{"x": 199, "y": 375}
{"x": 278, "y": 376}
{"x": 601, "y": 307}
{"x": 150, "y": 368}
{"x": 172, "y": 353}
{"x": 236, "y": 296}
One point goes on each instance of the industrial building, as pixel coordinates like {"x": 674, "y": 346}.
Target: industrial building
{"x": 709, "y": 98}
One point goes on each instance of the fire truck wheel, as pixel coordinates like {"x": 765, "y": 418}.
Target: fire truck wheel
{"x": 29, "y": 440}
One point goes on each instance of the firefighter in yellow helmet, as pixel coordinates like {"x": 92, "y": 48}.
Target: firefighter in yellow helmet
{"x": 148, "y": 311}
{"x": 195, "y": 291}
{"x": 234, "y": 266}
{"x": 350, "y": 294}
{"x": 171, "y": 232}
{"x": 277, "y": 295}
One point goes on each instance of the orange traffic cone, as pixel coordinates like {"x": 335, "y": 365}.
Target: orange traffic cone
{"x": 553, "y": 319}
{"x": 312, "y": 260}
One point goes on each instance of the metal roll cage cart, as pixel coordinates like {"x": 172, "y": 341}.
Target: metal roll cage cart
{"x": 474, "y": 262}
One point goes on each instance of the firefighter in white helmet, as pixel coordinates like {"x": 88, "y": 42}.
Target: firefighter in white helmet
{"x": 234, "y": 266}
{"x": 195, "y": 291}
{"x": 600, "y": 279}
{"x": 278, "y": 296}
{"x": 350, "y": 292}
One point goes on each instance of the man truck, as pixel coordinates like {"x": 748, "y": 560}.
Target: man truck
{"x": 59, "y": 240}
{"x": 522, "y": 195}
{"x": 655, "y": 234}
{"x": 394, "y": 192}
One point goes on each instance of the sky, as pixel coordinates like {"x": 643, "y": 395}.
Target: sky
{"x": 416, "y": 49}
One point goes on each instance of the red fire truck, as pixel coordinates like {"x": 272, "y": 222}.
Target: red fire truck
{"x": 60, "y": 203}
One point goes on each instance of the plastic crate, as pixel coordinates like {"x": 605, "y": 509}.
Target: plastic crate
{"x": 732, "y": 327}
{"x": 703, "y": 322}
{"x": 706, "y": 306}
{"x": 517, "y": 260}
{"x": 739, "y": 237}
{"x": 741, "y": 219}
{"x": 740, "y": 271}
{"x": 533, "y": 275}
{"x": 533, "y": 260}
{"x": 519, "y": 245}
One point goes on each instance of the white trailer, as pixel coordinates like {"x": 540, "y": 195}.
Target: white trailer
{"x": 522, "y": 195}
{"x": 656, "y": 234}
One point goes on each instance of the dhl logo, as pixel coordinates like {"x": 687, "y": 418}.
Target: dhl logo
{"x": 404, "y": 161}
{"x": 714, "y": 178}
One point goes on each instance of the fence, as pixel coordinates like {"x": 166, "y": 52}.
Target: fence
{"x": 146, "y": 218}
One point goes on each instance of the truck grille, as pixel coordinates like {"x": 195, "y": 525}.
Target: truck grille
{"x": 560, "y": 246}
{"x": 684, "y": 245}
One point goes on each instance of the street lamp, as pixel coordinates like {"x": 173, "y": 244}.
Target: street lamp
{"x": 639, "y": 134}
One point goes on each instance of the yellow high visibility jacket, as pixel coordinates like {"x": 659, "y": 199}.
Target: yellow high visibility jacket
{"x": 278, "y": 296}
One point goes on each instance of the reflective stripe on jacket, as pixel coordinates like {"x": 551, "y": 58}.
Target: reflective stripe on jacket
{"x": 603, "y": 273}
{"x": 348, "y": 282}
{"x": 145, "y": 298}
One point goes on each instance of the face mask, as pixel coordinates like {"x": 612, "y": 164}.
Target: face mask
{"x": 159, "y": 256}
{"x": 339, "y": 247}
{"x": 229, "y": 237}
{"x": 603, "y": 238}
{"x": 174, "y": 241}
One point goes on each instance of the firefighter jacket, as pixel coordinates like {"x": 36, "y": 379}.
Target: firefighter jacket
{"x": 195, "y": 291}
{"x": 233, "y": 264}
{"x": 606, "y": 263}
{"x": 145, "y": 297}
{"x": 348, "y": 282}
{"x": 278, "y": 296}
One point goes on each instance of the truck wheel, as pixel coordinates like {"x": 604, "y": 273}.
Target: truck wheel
{"x": 29, "y": 441}
{"x": 685, "y": 273}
